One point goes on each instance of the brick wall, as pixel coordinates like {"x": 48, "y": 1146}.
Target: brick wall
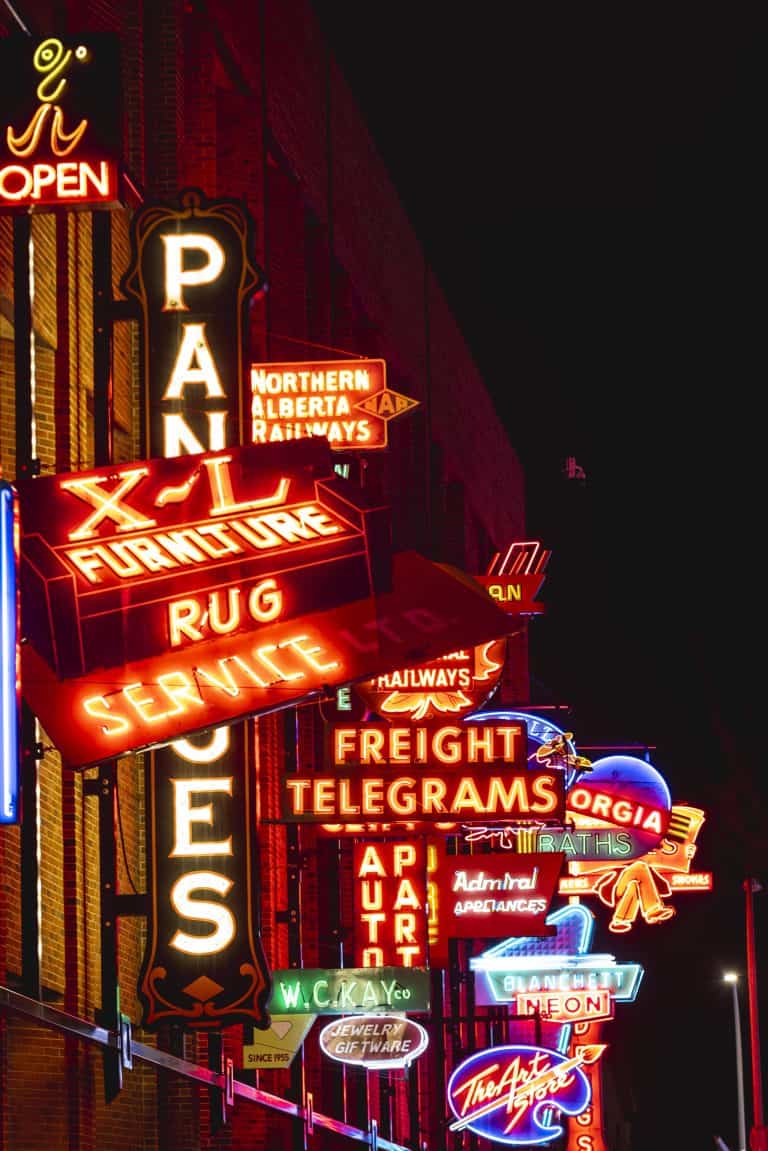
{"x": 346, "y": 274}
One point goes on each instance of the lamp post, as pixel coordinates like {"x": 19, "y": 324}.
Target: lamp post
{"x": 732, "y": 978}
{"x": 759, "y": 1135}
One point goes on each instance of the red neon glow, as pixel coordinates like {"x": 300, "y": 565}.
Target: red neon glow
{"x": 345, "y": 401}
{"x": 585, "y": 1130}
{"x": 431, "y": 744}
{"x": 639, "y": 888}
{"x": 390, "y": 904}
{"x": 565, "y": 1006}
{"x": 162, "y": 698}
{"x": 453, "y": 795}
{"x": 455, "y": 683}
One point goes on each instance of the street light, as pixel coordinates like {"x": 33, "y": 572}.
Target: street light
{"x": 732, "y": 978}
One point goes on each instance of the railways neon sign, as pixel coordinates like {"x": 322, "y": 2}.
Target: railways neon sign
{"x": 345, "y": 401}
{"x": 509, "y": 1094}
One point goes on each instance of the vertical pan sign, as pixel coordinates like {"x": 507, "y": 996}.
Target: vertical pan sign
{"x": 192, "y": 275}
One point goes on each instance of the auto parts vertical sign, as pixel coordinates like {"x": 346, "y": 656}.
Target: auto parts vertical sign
{"x": 192, "y": 275}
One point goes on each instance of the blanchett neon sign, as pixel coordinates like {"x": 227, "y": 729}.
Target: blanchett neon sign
{"x": 127, "y": 562}
{"x": 508, "y": 1094}
{"x": 390, "y": 897}
{"x": 345, "y": 401}
{"x": 426, "y": 795}
{"x": 62, "y": 107}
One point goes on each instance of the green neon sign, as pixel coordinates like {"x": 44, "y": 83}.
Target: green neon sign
{"x": 349, "y": 990}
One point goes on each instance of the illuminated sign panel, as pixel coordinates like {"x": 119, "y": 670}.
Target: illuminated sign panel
{"x": 452, "y": 793}
{"x": 638, "y": 889}
{"x": 489, "y": 896}
{"x": 279, "y": 1044}
{"x": 122, "y": 563}
{"x": 566, "y": 1006}
{"x": 10, "y": 664}
{"x": 349, "y": 990}
{"x": 515, "y": 576}
{"x": 390, "y": 896}
{"x": 380, "y": 1042}
{"x": 212, "y": 682}
{"x": 456, "y": 683}
{"x": 511, "y": 1094}
{"x": 203, "y": 965}
{"x": 558, "y": 964}
{"x": 191, "y": 275}
{"x": 61, "y": 123}
{"x": 345, "y": 401}
{"x": 425, "y": 745}
{"x": 585, "y": 1130}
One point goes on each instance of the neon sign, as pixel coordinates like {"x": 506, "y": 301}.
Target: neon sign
{"x": 455, "y": 683}
{"x": 191, "y": 275}
{"x": 215, "y": 681}
{"x": 349, "y": 990}
{"x": 638, "y": 889}
{"x": 346, "y": 401}
{"x": 62, "y": 109}
{"x": 585, "y": 1130}
{"x": 488, "y": 896}
{"x": 379, "y": 1042}
{"x": 566, "y": 1006}
{"x": 508, "y": 1094}
{"x": 561, "y": 964}
{"x": 10, "y": 664}
{"x": 429, "y": 744}
{"x": 451, "y": 795}
{"x": 203, "y": 965}
{"x": 122, "y": 563}
{"x": 623, "y": 791}
{"x": 514, "y": 577}
{"x": 390, "y": 898}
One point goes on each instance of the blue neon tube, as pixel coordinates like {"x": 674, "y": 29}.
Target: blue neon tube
{"x": 9, "y": 659}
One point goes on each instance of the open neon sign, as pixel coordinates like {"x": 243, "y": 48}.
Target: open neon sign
{"x": 62, "y": 107}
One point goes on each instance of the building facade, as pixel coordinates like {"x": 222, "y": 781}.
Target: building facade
{"x": 240, "y": 101}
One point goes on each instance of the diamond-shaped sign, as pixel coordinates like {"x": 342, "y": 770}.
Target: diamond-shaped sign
{"x": 387, "y": 404}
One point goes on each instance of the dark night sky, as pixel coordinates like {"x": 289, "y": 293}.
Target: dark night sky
{"x": 585, "y": 182}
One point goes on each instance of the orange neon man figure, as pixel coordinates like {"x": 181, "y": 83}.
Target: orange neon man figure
{"x": 640, "y": 887}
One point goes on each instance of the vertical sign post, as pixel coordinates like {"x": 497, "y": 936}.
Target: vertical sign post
{"x": 192, "y": 274}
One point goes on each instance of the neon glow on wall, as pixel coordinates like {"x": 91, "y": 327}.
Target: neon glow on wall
{"x": 9, "y": 658}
